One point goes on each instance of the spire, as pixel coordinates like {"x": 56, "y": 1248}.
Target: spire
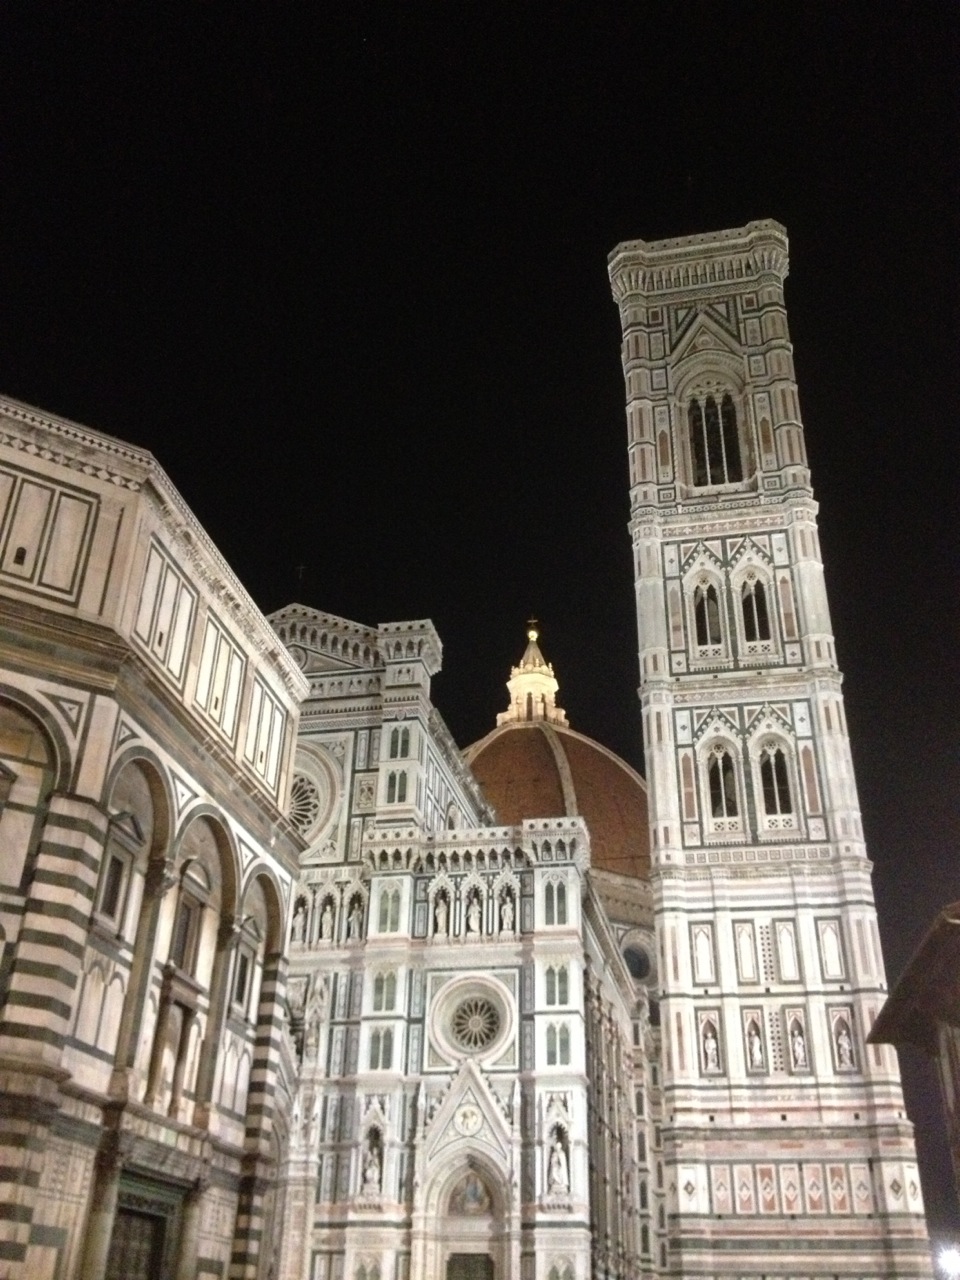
{"x": 533, "y": 687}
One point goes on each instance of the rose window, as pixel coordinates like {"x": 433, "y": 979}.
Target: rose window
{"x": 475, "y": 1023}
{"x": 304, "y": 802}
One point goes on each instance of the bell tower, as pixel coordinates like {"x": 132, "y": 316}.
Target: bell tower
{"x": 786, "y": 1148}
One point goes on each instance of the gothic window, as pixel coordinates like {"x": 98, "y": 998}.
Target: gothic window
{"x": 384, "y": 992}
{"x": 394, "y": 743}
{"x": 775, "y": 782}
{"x": 714, "y": 441}
{"x": 557, "y": 985}
{"x": 722, "y": 780}
{"x": 706, "y": 612}
{"x": 396, "y": 788}
{"x": 563, "y": 1044}
{"x": 401, "y": 788}
{"x": 555, "y": 903}
{"x": 389, "y": 917}
{"x": 558, "y": 1045}
{"x": 756, "y": 618}
{"x": 381, "y": 1049}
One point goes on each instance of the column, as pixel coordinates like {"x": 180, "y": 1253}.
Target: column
{"x": 227, "y": 935}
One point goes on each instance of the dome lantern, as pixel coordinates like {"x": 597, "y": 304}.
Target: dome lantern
{"x": 533, "y": 687}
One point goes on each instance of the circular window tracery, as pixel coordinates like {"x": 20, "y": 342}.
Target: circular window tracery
{"x": 304, "y": 802}
{"x": 475, "y": 1023}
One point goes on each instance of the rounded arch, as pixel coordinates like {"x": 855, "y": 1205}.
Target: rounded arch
{"x": 274, "y": 901}
{"x": 60, "y": 759}
{"x": 712, "y": 414}
{"x": 640, "y": 955}
{"x": 228, "y": 862}
{"x": 708, "y": 371}
{"x": 159, "y": 785}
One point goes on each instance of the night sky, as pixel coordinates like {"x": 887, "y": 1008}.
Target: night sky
{"x": 346, "y": 279}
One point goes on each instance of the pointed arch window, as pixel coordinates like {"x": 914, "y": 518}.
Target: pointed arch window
{"x": 389, "y": 915}
{"x": 722, "y": 780}
{"x": 558, "y": 984}
{"x": 756, "y": 616}
{"x": 714, "y": 441}
{"x": 555, "y": 903}
{"x": 381, "y": 1049}
{"x": 399, "y": 743}
{"x": 384, "y": 992}
{"x": 706, "y": 612}
{"x": 396, "y": 788}
{"x": 558, "y": 1045}
{"x": 775, "y": 782}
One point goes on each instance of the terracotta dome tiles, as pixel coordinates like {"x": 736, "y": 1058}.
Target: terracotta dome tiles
{"x": 518, "y": 770}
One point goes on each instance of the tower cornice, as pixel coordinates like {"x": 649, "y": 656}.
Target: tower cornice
{"x": 739, "y": 257}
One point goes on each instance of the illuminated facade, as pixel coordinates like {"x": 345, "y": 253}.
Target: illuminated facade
{"x": 787, "y": 1150}
{"x": 293, "y": 989}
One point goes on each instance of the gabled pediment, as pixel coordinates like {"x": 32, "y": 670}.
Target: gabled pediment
{"x": 127, "y": 825}
{"x": 469, "y": 1116}
{"x": 700, "y": 555}
{"x": 715, "y": 722}
{"x": 705, "y": 336}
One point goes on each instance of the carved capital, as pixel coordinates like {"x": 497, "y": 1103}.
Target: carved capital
{"x": 228, "y": 932}
{"x": 159, "y": 878}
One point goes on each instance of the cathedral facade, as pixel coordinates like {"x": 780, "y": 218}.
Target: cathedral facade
{"x": 293, "y": 988}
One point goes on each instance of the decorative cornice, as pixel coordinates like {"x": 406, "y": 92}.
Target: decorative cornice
{"x": 84, "y": 450}
{"x": 736, "y": 257}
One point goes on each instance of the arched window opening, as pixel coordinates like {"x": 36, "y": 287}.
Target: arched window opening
{"x": 714, "y": 441}
{"x": 401, "y": 788}
{"x": 381, "y": 1049}
{"x": 723, "y": 785}
{"x": 563, "y": 1045}
{"x": 551, "y": 1046}
{"x": 558, "y": 985}
{"x": 394, "y": 743}
{"x": 756, "y": 618}
{"x": 404, "y": 743}
{"x": 549, "y": 905}
{"x": 392, "y": 789}
{"x": 698, "y": 444}
{"x": 561, "y": 904}
{"x": 384, "y": 993}
{"x": 733, "y": 468}
{"x": 706, "y": 609}
{"x": 775, "y": 781}
{"x": 529, "y": 706}
{"x": 389, "y": 915}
